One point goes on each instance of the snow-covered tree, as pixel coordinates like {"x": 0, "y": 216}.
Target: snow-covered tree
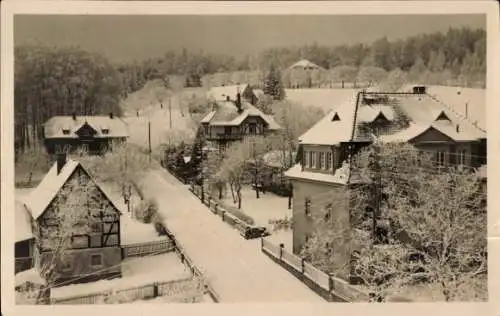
{"x": 273, "y": 85}
{"x": 412, "y": 223}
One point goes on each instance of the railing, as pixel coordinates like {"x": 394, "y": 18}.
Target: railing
{"x": 23, "y": 264}
{"x": 148, "y": 291}
{"x": 329, "y": 287}
{"x": 231, "y": 136}
{"x": 147, "y": 248}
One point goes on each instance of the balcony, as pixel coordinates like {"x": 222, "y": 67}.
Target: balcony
{"x": 224, "y": 136}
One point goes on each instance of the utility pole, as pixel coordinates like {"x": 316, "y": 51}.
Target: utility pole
{"x": 149, "y": 138}
{"x": 170, "y": 112}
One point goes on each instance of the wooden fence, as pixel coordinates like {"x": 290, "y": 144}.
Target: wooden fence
{"x": 329, "y": 287}
{"x": 148, "y": 291}
{"x": 147, "y": 248}
{"x": 194, "y": 270}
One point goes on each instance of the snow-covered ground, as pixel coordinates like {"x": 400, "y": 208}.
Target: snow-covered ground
{"x": 135, "y": 272}
{"x": 236, "y": 268}
{"x": 282, "y": 236}
{"x": 131, "y": 230}
{"x": 268, "y": 206}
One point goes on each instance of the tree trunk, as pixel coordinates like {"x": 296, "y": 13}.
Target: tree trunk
{"x": 257, "y": 185}
{"x": 239, "y": 198}
{"x": 232, "y": 192}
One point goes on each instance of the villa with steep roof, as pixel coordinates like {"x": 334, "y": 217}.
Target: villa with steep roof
{"x": 95, "y": 251}
{"x": 94, "y": 134}
{"x": 231, "y": 121}
{"x": 321, "y": 179}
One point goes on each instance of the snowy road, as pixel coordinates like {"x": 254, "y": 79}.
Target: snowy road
{"x": 236, "y": 268}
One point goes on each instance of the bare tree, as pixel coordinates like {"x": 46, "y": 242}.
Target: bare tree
{"x": 31, "y": 160}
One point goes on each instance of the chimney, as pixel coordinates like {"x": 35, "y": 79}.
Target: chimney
{"x": 228, "y": 98}
{"x": 458, "y": 128}
{"x": 61, "y": 161}
{"x": 74, "y": 116}
{"x": 466, "y": 109}
{"x": 419, "y": 90}
{"x": 111, "y": 115}
{"x": 238, "y": 101}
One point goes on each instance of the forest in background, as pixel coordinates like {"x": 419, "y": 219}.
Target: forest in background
{"x": 459, "y": 55}
{"x": 53, "y": 81}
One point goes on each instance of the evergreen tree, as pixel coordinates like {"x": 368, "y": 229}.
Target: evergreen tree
{"x": 273, "y": 85}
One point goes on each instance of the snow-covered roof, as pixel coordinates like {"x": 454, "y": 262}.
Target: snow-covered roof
{"x": 305, "y": 64}
{"x": 41, "y": 197}
{"x": 23, "y": 222}
{"x": 54, "y": 127}
{"x": 221, "y": 93}
{"x": 341, "y": 175}
{"x": 330, "y": 130}
{"x": 30, "y": 275}
{"x": 44, "y": 193}
{"x": 370, "y": 113}
{"x": 325, "y": 99}
{"x": 227, "y": 114}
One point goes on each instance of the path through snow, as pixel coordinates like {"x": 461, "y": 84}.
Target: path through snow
{"x": 236, "y": 268}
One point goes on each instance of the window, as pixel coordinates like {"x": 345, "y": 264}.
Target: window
{"x": 322, "y": 160}
{"x": 328, "y": 161}
{"x": 306, "y": 159}
{"x": 441, "y": 158}
{"x": 105, "y": 131}
{"x": 96, "y": 260}
{"x": 312, "y": 159}
{"x": 328, "y": 211}
{"x": 332, "y": 161}
{"x": 227, "y": 130}
{"x": 307, "y": 207}
{"x": 96, "y": 228}
{"x": 205, "y": 129}
{"x": 462, "y": 157}
{"x": 65, "y": 131}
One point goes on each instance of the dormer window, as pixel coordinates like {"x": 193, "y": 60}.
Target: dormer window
{"x": 442, "y": 117}
{"x": 65, "y": 131}
{"x": 105, "y": 131}
{"x": 335, "y": 118}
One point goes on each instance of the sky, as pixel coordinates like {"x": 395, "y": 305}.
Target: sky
{"x": 125, "y": 38}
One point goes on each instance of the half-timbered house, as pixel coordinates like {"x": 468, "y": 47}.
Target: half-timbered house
{"x": 91, "y": 249}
